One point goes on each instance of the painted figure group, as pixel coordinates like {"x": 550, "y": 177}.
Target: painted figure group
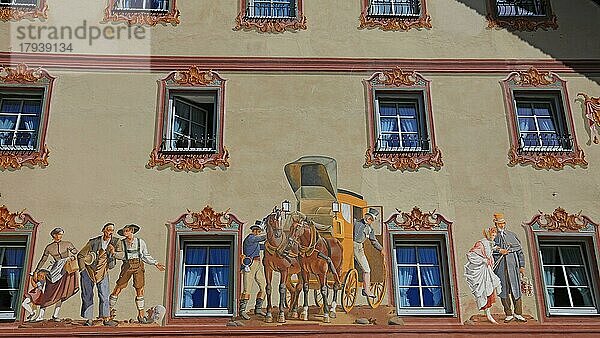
{"x": 495, "y": 267}
{"x": 88, "y": 268}
{"x": 302, "y": 251}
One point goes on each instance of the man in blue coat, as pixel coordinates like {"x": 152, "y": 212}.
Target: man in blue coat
{"x": 509, "y": 267}
{"x": 252, "y": 269}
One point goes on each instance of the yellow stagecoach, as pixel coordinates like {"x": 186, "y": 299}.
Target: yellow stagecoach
{"x": 313, "y": 180}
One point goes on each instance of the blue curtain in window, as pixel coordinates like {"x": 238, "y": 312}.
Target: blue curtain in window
{"x": 219, "y": 276}
{"x": 6, "y": 122}
{"x": 14, "y": 257}
{"x": 431, "y": 275}
{"x": 193, "y": 275}
{"x": 405, "y": 255}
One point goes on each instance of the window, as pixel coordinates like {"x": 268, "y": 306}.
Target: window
{"x": 422, "y": 278}
{"x": 395, "y": 7}
{"x": 142, "y": 12}
{"x": 190, "y": 121}
{"x": 24, "y": 112}
{"x": 141, "y": 5}
{"x": 394, "y": 14}
{"x": 23, "y": 9}
{"x": 401, "y": 134}
{"x": 568, "y": 282}
{"x": 271, "y": 16}
{"x": 521, "y": 15}
{"x": 540, "y": 121}
{"x": 206, "y": 277}
{"x": 20, "y": 115}
{"x": 12, "y": 267}
{"x": 401, "y": 122}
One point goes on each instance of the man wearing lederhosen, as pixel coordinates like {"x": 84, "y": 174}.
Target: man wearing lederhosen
{"x": 252, "y": 269}
{"x": 510, "y": 266}
{"x": 362, "y": 232}
{"x": 134, "y": 253}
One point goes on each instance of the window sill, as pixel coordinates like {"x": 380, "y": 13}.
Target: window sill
{"x": 195, "y": 161}
{"x": 546, "y": 159}
{"x": 269, "y": 25}
{"x": 522, "y": 23}
{"x": 394, "y": 23}
{"x": 15, "y": 159}
{"x": 404, "y": 160}
{"x": 17, "y": 13}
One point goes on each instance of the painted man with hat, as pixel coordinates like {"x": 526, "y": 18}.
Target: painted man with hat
{"x": 133, "y": 251}
{"x": 363, "y": 231}
{"x": 510, "y": 266}
{"x": 252, "y": 269}
{"x": 95, "y": 259}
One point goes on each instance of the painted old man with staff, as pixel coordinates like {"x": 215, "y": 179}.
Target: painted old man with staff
{"x": 510, "y": 268}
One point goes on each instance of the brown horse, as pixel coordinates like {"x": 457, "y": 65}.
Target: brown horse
{"x": 282, "y": 257}
{"x": 318, "y": 256}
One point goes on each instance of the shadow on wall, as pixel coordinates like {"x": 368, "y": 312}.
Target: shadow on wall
{"x": 575, "y": 38}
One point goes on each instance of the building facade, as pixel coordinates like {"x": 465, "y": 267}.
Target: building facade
{"x": 193, "y": 119}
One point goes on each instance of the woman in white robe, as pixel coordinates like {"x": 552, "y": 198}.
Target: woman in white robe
{"x": 479, "y": 273}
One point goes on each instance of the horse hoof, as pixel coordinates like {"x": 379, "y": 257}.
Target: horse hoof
{"x": 326, "y": 319}
{"x": 268, "y": 318}
{"x": 332, "y": 314}
{"x": 305, "y": 316}
{"x": 294, "y": 315}
{"x": 281, "y": 318}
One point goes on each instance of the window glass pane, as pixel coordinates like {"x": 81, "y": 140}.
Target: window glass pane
{"x": 546, "y": 123}
{"x": 194, "y": 276}
{"x": 582, "y": 297}
{"x": 8, "y": 300}
{"x": 554, "y": 275}
{"x": 524, "y": 109}
{"x": 571, "y": 255}
{"x": 181, "y": 126}
{"x": 14, "y": 257}
{"x": 389, "y": 124}
{"x": 428, "y": 255}
{"x": 219, "y": 256}
{"x": 218, "y": 276}
{"x": 387, "y": 109}
{"x": 10, "y": 106}
{"x": 198, "y": 133}
{"x": 409, "y": 125}
{"x": 195, "y": 255}
{"x": 405, "y": 255}
{"x": 182, "y": 109}
{"x": 577, "y": 276}
{"x": 31, "y": 107}
{"x": 432, "y": 297}
{"x": 29, "y": 123}
{"x": 193, "y": 298}
{"x": 561, "y": 297}
{"x": 430, "y": 276}
{"x": 10, "y": 278}
{"x": 217, "y": 298}
{"x": 542, "y": 109}
{"x": 550, "y": 255}
{"x": 407, "y": 276}
{"x": 414, "y": 297}
{"x": 7, "y": 122}
{"x": 527, "y": 124}
{"x": 407, "y": 111}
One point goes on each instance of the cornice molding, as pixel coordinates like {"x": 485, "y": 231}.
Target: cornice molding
{"x": 162, "y": 63}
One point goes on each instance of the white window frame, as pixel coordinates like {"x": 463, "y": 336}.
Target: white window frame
{"x": 443, "y": 265}
{"x": 393, "y": 3}
{"x": 584, "y": 251}
{"x": 208, "y": 312}
{"x": 13, "y": 314}
{"x": 16, "y": 95}
{"x": 207, "y": 96}
{"x": 120, "y": 6}
{"x": 401, "y": 98}
{"x": 251, "y": 14}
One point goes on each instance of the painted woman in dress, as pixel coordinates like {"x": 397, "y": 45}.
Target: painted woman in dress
{"x": 482, "y": 280}
{"x": 60, "y": 283}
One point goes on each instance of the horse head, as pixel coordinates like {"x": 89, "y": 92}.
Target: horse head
{"x": 273, "y": 223}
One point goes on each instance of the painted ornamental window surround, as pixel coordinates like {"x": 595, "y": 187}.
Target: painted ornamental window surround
{"x": 564, "y": 251}
{"x": 390, "y": 15}
{"x": 142, "y": 12}
{"x": 190, "y": 121}
{"x": 540, "y": 121}
{"x": 17, "y": 238}
{"x": 16, "y": 10}
{"x": 203, "y": 264}
{"x": 271, "y": 16}
{"x": 521, "y": 15}
{"x": 424, "y": 275}
{"x": 400, "y": 119}
{"x": 24, "y": 111}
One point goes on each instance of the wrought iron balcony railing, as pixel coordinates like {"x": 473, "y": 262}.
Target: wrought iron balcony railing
{"x": 546, "y": 143}
{"x": 527, "y": 8}
{"x": 22, "y": 141}
{"x": 185, "y": 144}
{"x": 395, "y": 8}
{"x": 141, "y": 5}
{"x": 19, "y": 3}
{"x": 408, "y": 143}
{"x": 271, "y": 10}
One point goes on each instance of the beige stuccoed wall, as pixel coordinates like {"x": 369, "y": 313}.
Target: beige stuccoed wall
{"x": 459, "y": 31}
{"x": 101, "y": 132}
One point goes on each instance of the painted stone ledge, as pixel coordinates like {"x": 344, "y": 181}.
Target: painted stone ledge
{"x": 188, "y": 162}
{"x": 404, "y": 161}
{"x": 10, "y": 13}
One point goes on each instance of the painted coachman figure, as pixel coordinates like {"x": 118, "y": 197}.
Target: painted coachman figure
{"x": 510, "y": 268}
{"x": 252, "y": 269}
